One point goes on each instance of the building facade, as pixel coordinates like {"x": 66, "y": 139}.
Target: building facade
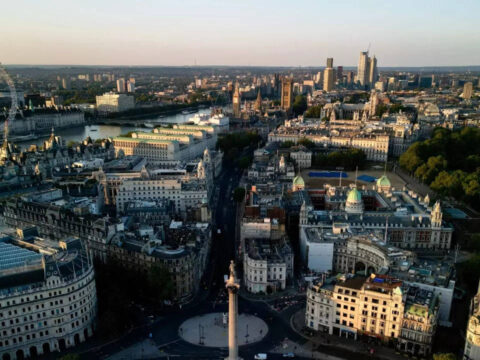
{"x": 50, "y": 304}
{"x": 267, "y": 265}
{"x": 472, "y": 338}
{"x": 287, "y": 94}
{"x": 379, "y": 306}
{"x": 112, "y": 103}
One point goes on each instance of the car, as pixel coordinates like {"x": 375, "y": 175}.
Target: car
{"x": 260, "y": 356}
{"x": 289, "y": 355}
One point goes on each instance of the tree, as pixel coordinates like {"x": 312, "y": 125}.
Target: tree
{"x": 348, "y": 159}
{"x": 299, "y": 105}
{"x": 381, "y": 109}
{"x": 244, "y": 162}
{"x": 232, "y": 144}
{"x": 239, "y": 194}
{"x": 314, "y": 111}
{"x": 307, "y": 143}
{"x": 286, "y": 144}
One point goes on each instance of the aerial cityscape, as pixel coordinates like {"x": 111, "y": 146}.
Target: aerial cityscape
{"x": 240, "y": 180}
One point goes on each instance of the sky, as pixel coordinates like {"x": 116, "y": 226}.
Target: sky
{"x": 240, "y": 32}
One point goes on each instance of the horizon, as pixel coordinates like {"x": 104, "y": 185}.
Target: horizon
{"x": 235, "y": 66}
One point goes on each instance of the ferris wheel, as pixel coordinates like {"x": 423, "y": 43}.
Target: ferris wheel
{"x": 13, "y": 100}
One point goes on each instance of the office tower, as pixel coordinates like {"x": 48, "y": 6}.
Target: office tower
{"x": 467, "y": 90}
{"x": 132, "y": 80}
{"x": 328, "y": 79}
{"x": 339, "y": 72}
{"x": 425, "y": 82}
{"x": 236, "y": 102}
{"x": 350, "y": 77}
{"x": 66, "y": 83}
{"x": 121, "y": 85}
{"x": 380, "y": 86}
{"x": 287, "y": 93}
{"x": 362, "y": 71}
{"x": 372, "y": 71}
{"x": 329, "y": 62}
{"x": 131, "y": 87}
{"x": 318, "y": 78}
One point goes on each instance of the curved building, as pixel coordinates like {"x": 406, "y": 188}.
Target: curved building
{"x": 48, "y": 297}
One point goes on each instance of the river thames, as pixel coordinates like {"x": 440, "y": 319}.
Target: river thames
{"x": 78, "y": 134}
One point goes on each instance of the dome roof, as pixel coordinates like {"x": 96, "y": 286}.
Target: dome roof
{"x": 298, "y": 180}
{"x": 354, "y": 196}
{"x": 383, "y": 181}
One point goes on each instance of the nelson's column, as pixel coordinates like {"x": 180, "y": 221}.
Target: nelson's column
{"x": 232, "y": 286}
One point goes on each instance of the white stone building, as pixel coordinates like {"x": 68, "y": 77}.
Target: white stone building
{"x": 266, "y": 266}
{"x": 111, "y": 103}
{"x": 302, "y": 158}
{"x": 48, "y": 298}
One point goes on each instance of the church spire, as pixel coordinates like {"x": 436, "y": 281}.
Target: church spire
{"x": 258, "y": 102}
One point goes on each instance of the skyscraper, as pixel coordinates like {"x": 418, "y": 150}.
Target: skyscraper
{"x": 362, "y": 71}
{"x": 66, "y": 83}
{"x": 467, "y": 90}
{"x": 329, "y": 62}
{"x": 339, "y": 73}
{"x": 121, "y": 85}
{"x": 236, "y": 101}
{"x": 350, "y": 77}
{"x": 328, "y": 79}
{"x": 372, "y": 71}
{"x": 287, "y": 93}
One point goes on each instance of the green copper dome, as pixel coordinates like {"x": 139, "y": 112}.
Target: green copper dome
{"x": 298, "y": 180}
{"x": 354, "y": 196}
{"x": 383, "y": 181}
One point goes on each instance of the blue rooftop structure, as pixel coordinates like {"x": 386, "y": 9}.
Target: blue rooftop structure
{"x": 12, "y": 256}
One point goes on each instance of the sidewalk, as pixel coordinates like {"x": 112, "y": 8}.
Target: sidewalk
{"x": 322, "y": 340}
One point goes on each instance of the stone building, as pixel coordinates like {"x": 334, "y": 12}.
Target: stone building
{"x": 379, "y": 306}
{"x": 48, "y": 299}
{"x": 267, "y": 265}
{"x": 407, "y": 221}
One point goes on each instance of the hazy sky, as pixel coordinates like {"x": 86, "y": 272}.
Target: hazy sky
{"x": 240, "y": 32}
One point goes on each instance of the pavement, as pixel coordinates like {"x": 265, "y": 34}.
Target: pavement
{"x": 212, "y": 330}
{"x": 146, "y": 349}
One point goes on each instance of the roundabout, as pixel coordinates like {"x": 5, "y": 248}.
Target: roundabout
{"x": 212, "y": 330}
